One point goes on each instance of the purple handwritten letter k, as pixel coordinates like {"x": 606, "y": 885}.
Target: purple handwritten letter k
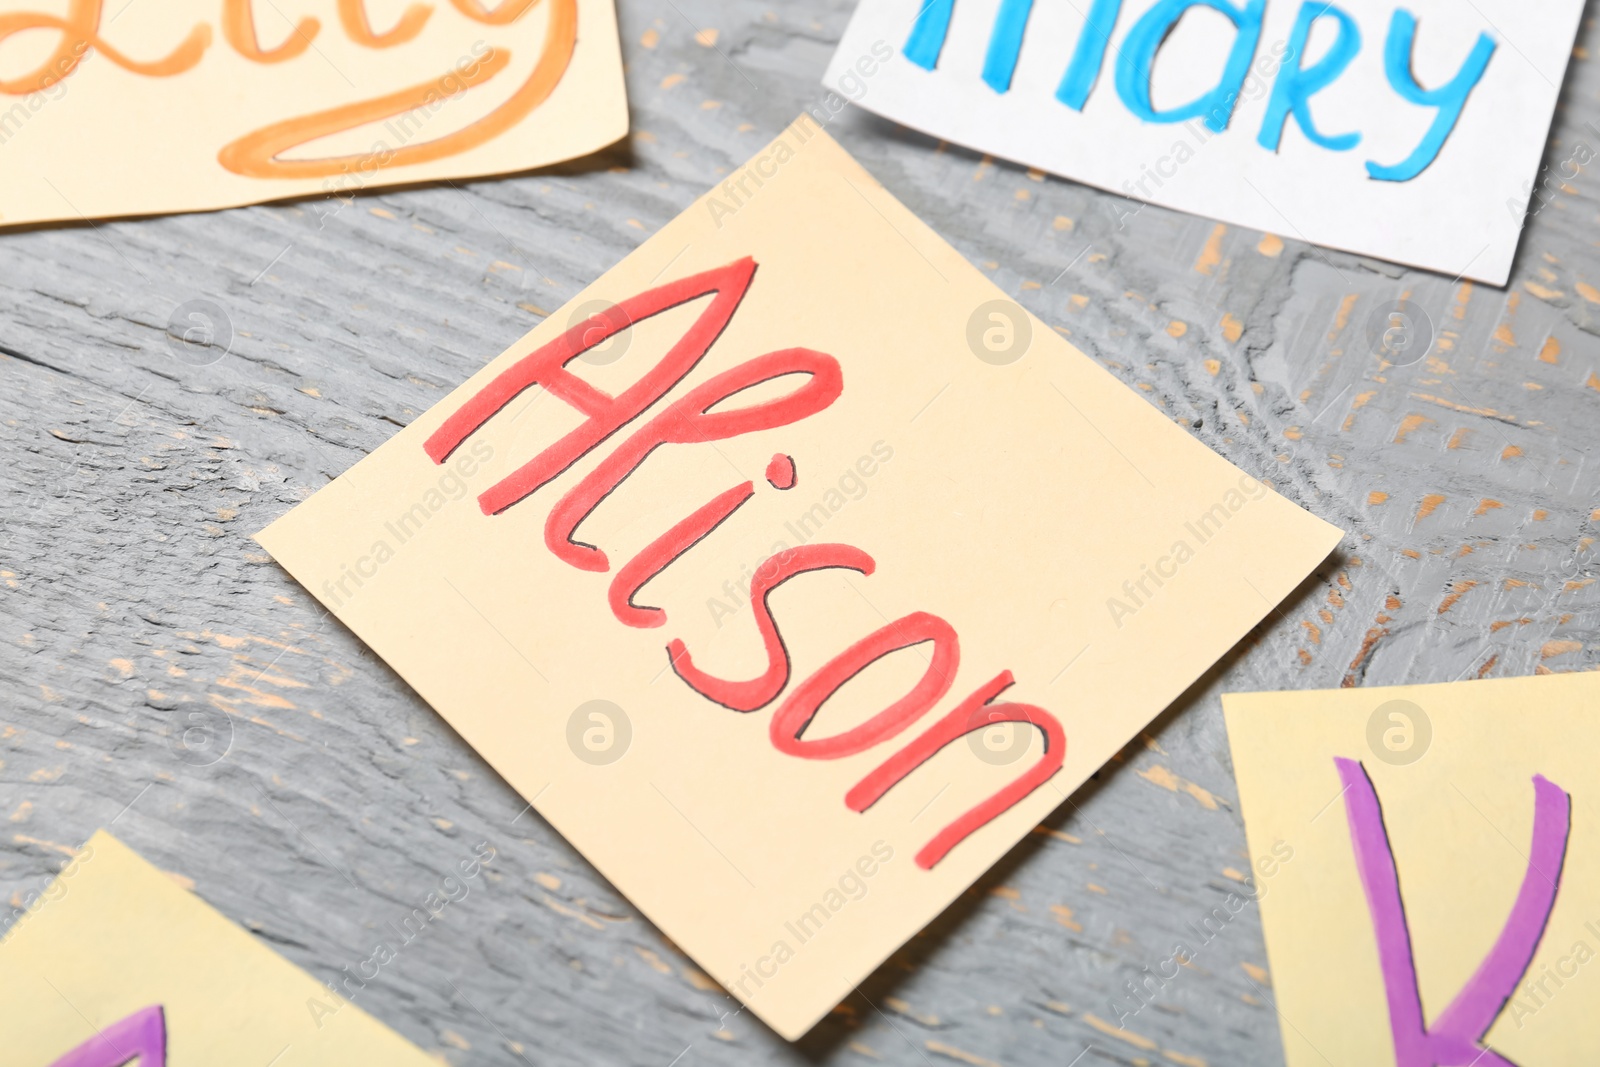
{"x": 1454, "y": 1039}
{"x": 140, "y": 1038}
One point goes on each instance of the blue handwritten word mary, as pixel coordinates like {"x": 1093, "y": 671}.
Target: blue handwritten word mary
{"x": 1291, "y": 92}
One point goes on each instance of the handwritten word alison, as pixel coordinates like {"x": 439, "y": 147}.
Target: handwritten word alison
{"x": 1296, "y": 85}
{"x": 690, "y": 421}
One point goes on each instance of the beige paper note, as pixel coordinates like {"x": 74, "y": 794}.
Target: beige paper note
{"x": 114, "y": 957}
{"x": 1427, "y": 859}
{"x": 111, "y": 109}
{"x": 881, "y": 479}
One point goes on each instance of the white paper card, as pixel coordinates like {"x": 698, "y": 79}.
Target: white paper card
{"x": 1411, "y": 133}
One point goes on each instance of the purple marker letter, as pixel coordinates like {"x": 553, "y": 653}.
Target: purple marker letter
{"x": 142, "y": 1036}
{"x": 1453, "y": 1040}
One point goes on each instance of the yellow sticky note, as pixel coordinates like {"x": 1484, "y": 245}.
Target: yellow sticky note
{"x": 115, "y": 956}
{"x": 1427, "y": 860}
{"x": 187, "y": 105}
{"x": 793, "y": 572}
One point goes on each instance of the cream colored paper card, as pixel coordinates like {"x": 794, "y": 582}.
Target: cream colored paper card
{"x": 1428, "y": 863}
{"x": 111, "y": 109}
{"x": 962, "y": 484}
{"x": 116, "y": 958}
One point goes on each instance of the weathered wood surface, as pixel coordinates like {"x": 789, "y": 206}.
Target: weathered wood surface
{"x": 136, "y": 608}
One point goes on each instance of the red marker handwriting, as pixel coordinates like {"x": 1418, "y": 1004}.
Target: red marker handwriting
{"x": 707, "y": 413}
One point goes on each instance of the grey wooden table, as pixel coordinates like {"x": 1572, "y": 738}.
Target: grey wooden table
{"x": 317, "y": 799}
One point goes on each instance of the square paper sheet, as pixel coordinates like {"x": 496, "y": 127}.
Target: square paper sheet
{"x": 1478, "y": 801}
{"x": 1212, "y": 118}
{"x": 115, "y": 957}
{"x": 188, "y": 105}
{"x": 962, "y": 484}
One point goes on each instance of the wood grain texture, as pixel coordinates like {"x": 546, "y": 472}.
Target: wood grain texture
{"x": 138, "y": 619}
